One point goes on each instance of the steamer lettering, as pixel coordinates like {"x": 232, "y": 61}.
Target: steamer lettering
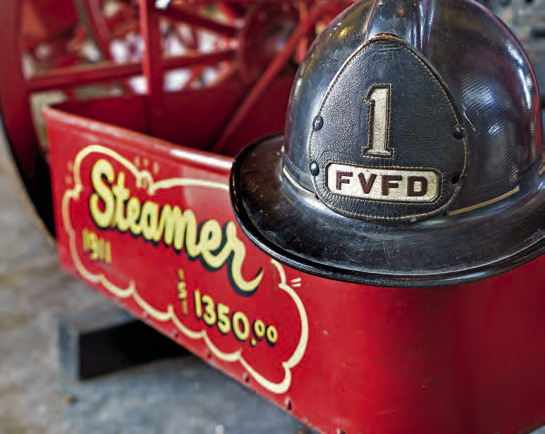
{"x": 113, "y": 207}
{"x": 393, "y": 185}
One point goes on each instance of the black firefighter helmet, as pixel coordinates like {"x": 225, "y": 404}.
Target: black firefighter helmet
{"x": 412, "y": 154}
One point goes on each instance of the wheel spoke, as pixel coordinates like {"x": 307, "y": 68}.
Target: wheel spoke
{"x": 91, "y": 10}
{"x": 179, "y": 13}
{"x": 123, "y": 30}
{"x": 198, "y": 58}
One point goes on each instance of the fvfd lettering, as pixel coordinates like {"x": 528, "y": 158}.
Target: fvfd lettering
{"x": 416, "y": 185}
{"x": 394, "y": 185}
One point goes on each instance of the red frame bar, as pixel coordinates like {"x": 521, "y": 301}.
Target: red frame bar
{"x": 63, "y": 78}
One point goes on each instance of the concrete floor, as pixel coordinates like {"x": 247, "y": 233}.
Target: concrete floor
{"x": 171, "y": 396}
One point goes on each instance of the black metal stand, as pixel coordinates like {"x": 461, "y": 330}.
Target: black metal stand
{"x": 105, "y": 339}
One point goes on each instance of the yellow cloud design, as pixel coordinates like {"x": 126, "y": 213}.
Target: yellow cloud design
{"x": 145, "y": 179}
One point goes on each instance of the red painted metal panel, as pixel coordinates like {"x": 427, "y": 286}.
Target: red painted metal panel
{"x": 186, "y": 119}
{"x": 150, "y": 225}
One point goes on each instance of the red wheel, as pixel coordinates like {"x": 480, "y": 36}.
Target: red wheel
{"x": 70, "y": 49}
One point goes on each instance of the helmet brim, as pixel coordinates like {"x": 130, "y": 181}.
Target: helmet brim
{"x": 292, "y": 225}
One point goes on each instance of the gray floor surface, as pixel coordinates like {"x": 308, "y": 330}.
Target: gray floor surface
{"x": 181, "y": 395}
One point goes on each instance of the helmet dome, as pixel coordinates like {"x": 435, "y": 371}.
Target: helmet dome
{"x": 412, "y": 154}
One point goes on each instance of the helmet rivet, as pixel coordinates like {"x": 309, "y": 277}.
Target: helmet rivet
{"x": 458, "y": 132}
{"x": 314, "y": 168}
{"x": 318, "y": 123}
